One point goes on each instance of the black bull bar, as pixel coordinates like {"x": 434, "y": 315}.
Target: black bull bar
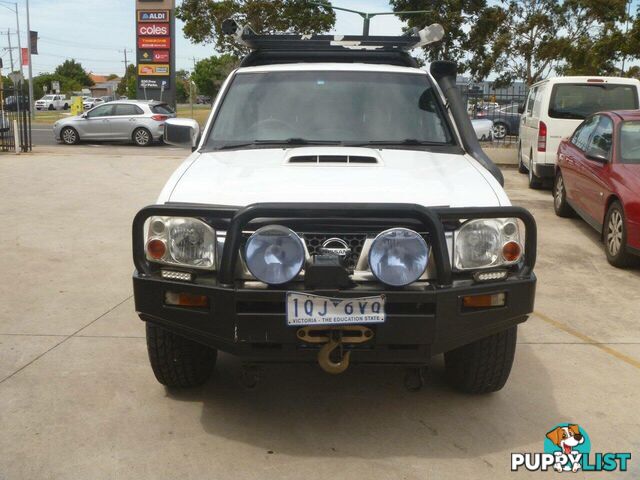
{"x": 430, "y": 219}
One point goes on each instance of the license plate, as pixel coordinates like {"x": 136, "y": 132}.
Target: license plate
{"x": 304, "y": 309}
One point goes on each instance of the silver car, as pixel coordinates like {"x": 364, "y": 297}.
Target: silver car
{"x": 137, "y": 121}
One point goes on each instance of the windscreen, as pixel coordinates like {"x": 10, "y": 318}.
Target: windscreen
{"x": 578, "y": 101}
{"x": 630, "y": 142}
{"x": 339, "y": 106}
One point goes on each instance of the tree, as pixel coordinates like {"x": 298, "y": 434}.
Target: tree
{"x": 568, "y": 37}
{"x": 468, "y": 25}
{"x": 128, "y": 85}
{"x": 67, "y": 85}
{"x": 209, "y": 73}
{"x": 72, "y": 69}
{"x": 203, "y": 19}
{"x": 112, "y": 76}
{"x": 182, "y": 86}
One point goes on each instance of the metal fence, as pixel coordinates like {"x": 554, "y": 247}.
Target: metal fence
{"x": 498, "y": 105}
{"x": 15, "y": 121}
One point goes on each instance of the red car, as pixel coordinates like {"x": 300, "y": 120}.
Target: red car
{"x": 598, "y": 177}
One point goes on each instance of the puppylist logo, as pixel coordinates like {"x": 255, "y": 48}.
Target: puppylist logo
{"x": 567, "y": 448}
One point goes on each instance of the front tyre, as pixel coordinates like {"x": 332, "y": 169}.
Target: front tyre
{"x": 560, "y": 204}
{"x": 615, "y": 237}
{"x": 142, "y": 137}
{"x": 484, "y": 365}
{"x": 535, "y": 181}
{"x": 69, "y": 136}
{"x": 177, "y": 361}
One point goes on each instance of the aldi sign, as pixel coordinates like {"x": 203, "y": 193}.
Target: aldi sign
{"x": 150, "y": 16}
{"x": 153, "y": 29}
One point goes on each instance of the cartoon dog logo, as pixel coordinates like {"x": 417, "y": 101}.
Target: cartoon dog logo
{"x": 566, "y": 439}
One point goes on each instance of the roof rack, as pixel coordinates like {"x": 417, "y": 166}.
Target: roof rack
{"x": 412, "y": 39}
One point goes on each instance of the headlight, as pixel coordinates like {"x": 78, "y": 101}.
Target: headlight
{"x": 486, "y": 243}
{"x": 398, "y": 257}
{"x": 181, "y": 241}
{"x": 274, "y": 254}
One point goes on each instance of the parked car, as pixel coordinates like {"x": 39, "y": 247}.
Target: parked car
{"x": 140, "y": 122}
{"x": 203, "y": 99}
{"x": 598, "y": 176}
{"x": 483, "y": 128}
{"x": 359, "y": 220}
{"x": 91, "y": 102}
{"x": 11, "y": 103}
{"x": 506, "y": 120}
{"x": 555, "y": 107}
{"x": 107, "y": 98}
{"x": 53, "y": 102}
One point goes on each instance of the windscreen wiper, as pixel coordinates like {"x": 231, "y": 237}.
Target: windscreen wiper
{"x": 286, "y": 141}
{"x": 297, "y": 141}
{"x": 406, "y": 141}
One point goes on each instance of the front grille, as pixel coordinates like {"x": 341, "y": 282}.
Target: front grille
{"x": 355, "y": 241}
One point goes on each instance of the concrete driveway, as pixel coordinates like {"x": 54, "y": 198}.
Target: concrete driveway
{"x": 78, "y": 399}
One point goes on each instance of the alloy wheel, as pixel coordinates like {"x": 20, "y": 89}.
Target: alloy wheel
{"x": 142, "y": 137}
{"x": 69, "y": 136}
{"x": 614, "y": 232}
{"x": 499, "y": 131}
{"x": 559, "y": 192}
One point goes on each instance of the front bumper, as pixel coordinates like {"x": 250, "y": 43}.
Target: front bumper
{"x": 248, "y": 319}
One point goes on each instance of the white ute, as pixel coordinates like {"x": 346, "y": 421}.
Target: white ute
{"x": 53, "y": 102}
{"x": 336, "y": 208}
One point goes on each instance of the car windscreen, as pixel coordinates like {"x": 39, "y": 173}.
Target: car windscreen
{"x": 630, "y": 142}
{"x": 579, "y": 100}
{"x": 162, "y": 108}
{"x": 329, "y": 106}
{"x": 48, "y": 97}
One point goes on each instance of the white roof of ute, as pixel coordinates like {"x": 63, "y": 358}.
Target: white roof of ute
{"x": 347, "y": 67}
{"x": 585, "y": 79}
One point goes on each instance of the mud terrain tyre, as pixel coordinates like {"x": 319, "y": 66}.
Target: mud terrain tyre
{"x": 177, "y": 361}
{"x": 484, "y": 365}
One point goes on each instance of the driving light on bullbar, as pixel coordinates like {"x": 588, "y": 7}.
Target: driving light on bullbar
{"x": 274, "y": 254}
{"x": 398, "y": 257}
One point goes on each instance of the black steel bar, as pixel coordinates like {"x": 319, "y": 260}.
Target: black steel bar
{"x": 337, "y": 211}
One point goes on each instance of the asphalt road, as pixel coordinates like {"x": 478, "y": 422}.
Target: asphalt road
{"x": 78, "y": 399}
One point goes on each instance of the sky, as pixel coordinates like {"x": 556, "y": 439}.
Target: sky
{"x": 97, "y": 32}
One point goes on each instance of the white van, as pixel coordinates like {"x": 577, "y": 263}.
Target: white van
{"x": 554, "y": 109}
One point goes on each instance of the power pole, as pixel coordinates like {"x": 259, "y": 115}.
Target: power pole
{"x": 10, "y": 50}
{"x": 31, "y": 109}
{"x": 18, "y": 33}
{"x": 126, "y": 62}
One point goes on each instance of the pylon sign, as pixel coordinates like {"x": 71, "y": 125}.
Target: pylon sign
{"x": 155, "y": 50}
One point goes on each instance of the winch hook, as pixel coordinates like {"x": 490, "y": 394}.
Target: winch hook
{"x": 324, "y": 358}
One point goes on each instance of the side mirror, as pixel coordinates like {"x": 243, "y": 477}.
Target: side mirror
{"x": 84, "y": 115}
{"x": 182, "y": 132}
{"x": 597, "y": 155}
{"x": 521, "y": 109}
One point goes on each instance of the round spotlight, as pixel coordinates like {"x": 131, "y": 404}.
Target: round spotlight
{"x": 274, "y": 254}
{"x": 398, "y": 257}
